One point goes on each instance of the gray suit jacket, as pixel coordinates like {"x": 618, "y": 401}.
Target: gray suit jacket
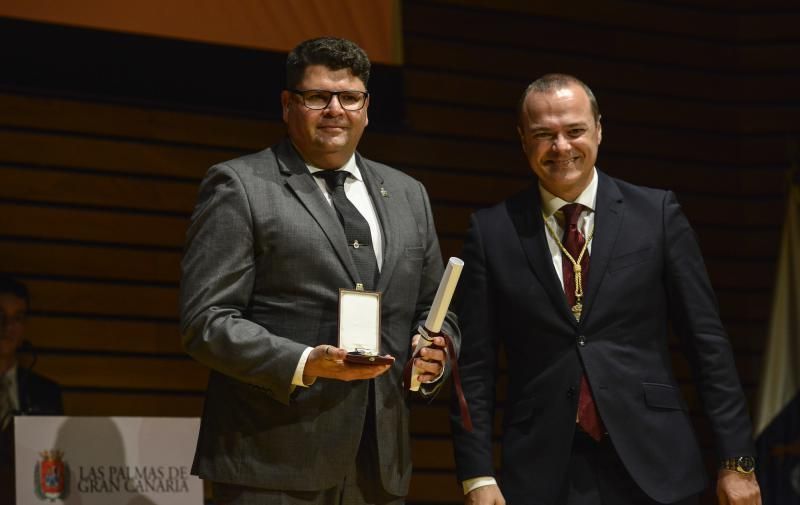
{"x": 264, "y": 260}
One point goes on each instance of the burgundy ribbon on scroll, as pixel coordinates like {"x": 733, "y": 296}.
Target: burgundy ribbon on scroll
{"x": 433, "y": 328}
{"x": 466, "y": 419}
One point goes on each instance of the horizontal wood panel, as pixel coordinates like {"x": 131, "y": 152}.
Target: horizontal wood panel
{"x": 67, "y": 187}
{"x": 511, "y": 63}
{"x": 435, "y": 487}
{"x": 469, "y": 189}
{"x": 66, "y": 150}
{"x": 432, "y": 454}
{"x": 114, "y": 372}
{"x": 706, "y": 178}
{"x": 721, "y": 20}
{"x": 44, "y": 259}
{"x": 82, "y": 334}
{"x": 451, "y": 247}
{"x": 458, "y": 121}
{"x": 741, "y": 274}
{"x": 772, "y": 21}
{"x": 135, "y": 122}
{"x": 496, "y": 27}
{"x": 90, "y": 225}
{"x": 736, "y": 243}
{"x": 105, "y": 299}
{"x": 746, "y": 213}
{"x": 81, "y": 403}
{"x": 430, "y": 419}
{"x": 424, "y": 85}
{"x": 747, "y": 337}
{"x": 433, "y": 419}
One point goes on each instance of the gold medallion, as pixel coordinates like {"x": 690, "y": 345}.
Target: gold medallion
{"x": 576, "y": 311}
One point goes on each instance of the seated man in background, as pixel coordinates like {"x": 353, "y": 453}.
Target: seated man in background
{"x": 21, "y": 390}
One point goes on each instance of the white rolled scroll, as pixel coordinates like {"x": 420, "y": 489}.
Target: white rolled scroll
{"x": 441, "y": 304}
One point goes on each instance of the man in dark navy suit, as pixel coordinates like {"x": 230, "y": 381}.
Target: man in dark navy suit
{"x": 580, "y": 277}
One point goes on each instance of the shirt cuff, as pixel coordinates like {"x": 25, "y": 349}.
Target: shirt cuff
{"x": 473, "y": 484}
{"x": 297, "y": 378}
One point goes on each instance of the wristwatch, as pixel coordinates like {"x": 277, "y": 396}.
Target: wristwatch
{"x": 742, "y": 464}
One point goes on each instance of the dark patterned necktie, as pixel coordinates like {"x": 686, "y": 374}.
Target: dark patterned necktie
{"x": 356, "y": 228}
{"x": 574, "y": 241}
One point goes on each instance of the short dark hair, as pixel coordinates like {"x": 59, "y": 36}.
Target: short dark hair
{"x": 11, "y": 286}
{"x": 331, "y": 52}
{"x": 552, "y": 82}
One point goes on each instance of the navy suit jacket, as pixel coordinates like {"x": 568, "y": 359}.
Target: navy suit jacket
{"x": 646, "y": 274}
{"x": 38, "y": 395}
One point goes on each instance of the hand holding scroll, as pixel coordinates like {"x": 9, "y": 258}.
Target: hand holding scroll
{"x": 430, "y": 363}
{"x": 437, "y": 314}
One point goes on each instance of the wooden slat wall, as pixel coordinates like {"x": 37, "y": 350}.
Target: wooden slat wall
{"x": 95, "y": 196}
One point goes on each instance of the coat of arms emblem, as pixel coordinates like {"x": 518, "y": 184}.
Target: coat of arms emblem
{"x": 51, "y": 476}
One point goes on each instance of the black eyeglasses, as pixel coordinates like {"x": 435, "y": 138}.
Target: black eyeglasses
{"x": 318, "y": 99}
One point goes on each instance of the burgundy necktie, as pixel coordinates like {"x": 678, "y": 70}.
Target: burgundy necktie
{"x": 588, "y": 418}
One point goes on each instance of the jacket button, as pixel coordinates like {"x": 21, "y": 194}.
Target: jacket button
{"x": 571, "y": 392}
{"x": 581, "y": 341}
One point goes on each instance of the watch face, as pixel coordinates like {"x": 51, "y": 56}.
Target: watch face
{"x": 745, "y": 464}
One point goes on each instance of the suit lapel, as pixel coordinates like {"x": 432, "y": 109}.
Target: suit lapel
{"x": 608, "y": 223}
{"x": 374, "y": 183}
{"x": 307, "y": 191}
{"x": 525, "y": 212}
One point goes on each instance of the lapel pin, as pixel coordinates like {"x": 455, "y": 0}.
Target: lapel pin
{"x": 384, "y": 193}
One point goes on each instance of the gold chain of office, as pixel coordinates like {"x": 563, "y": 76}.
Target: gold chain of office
{"x": 576, "y": 267}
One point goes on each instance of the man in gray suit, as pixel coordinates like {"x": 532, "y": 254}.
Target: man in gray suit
{"x": 286, "y": 419}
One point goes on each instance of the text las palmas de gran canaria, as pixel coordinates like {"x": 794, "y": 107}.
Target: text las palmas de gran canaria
{"x": 133, "y": 479}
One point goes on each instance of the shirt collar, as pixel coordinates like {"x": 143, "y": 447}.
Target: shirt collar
{"x": 588, "y": 197}
{"x": 350, "y": 166}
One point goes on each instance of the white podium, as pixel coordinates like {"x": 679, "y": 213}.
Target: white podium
{"x": 105, "y": 460}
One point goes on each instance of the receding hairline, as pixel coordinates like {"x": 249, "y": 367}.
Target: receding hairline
{"x": 551, "y": 83}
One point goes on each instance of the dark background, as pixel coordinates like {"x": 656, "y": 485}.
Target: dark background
{"x": 104, "y": 138}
